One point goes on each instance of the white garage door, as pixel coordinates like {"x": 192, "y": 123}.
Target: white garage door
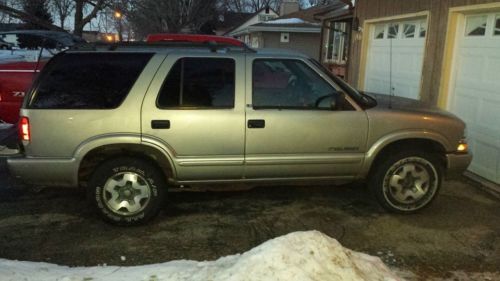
{"x": 401, "y": 43}
{"x": 475, "y": 93}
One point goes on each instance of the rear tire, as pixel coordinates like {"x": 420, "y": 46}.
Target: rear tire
{"x": 406, "y": 182}
{"x": 127, "y": 191}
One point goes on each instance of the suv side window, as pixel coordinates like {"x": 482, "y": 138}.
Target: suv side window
{"x": 286, "y": 83}
{"x": 88, "y": 81}
{"x": 199, "y": 83}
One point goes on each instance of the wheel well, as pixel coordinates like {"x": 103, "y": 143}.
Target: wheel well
{"x": 100, "y": 154}
{"x": 426, "y": 145}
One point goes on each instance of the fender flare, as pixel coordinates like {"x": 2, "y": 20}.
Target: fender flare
{"x": 374, "y": 150}
{"x": 122, "y": 139}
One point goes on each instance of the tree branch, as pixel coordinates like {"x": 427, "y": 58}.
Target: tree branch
{"x": 28, "y": 18}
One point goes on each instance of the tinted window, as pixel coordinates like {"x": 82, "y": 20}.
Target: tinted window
{"x": 88, "y": 80}
{"x": 199, "y": 83}
{"x": 287, "y": 84}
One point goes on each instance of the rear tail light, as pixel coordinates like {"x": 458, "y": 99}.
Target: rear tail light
{"x": 24, "y": 129}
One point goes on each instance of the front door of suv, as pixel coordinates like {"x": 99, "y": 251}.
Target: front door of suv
{"x": 194, "y": 109}
{"x": 292, "y": 131}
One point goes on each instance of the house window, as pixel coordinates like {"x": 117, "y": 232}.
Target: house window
{"x": 285, "y": 37}
{"x": 409, "y": 30}
{"x": 475, "y": 25}
{"x": 497, "y": 25}
{"x": 255, "y": 42}
{"x": 392, "y": 31}
{"x": 266, "y": 17}
{"x": 338, "y": 43}
{"x": 379, "y": 31}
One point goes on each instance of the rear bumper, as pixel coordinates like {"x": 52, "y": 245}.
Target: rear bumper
{"x": 457, "y": 163}
{"x": 44, "y": 171}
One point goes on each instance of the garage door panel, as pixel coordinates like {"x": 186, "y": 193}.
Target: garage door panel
{"x": 470, "y": 67}
{"x": 492, "y": 70}
{"x": 476, "y": 87}
{"x": 489, "y": 117}
{"x": 466, "y": 107}
{"x": 489, "y": 155}
{"x": 480, "y": 43}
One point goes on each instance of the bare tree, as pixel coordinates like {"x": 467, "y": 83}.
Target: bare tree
{"x": 63, "y": 8}
{"x": 84, "y": 12}
{"x": 318, "y": 2}
{"x": 250, "y": 6}
{"x": 82, "y": 19}
{"x": 5, "y": 17}
{"x": 147, "y": 16}
{"x": 12, "y": 10}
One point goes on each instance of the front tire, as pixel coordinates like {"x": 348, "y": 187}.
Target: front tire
{"x": 127, "y": 191}
{"x": 406, "y": 182}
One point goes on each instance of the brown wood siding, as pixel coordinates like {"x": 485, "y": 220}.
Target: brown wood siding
{"x": 436, "y": 33}
{"x": 307, "y": 43}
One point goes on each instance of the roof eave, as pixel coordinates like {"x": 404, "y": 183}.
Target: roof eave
{"x": 252, "y": 29}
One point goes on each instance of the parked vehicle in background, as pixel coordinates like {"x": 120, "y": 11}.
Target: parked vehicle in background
{"x": 26, "y": 54}
{"x": 5, "y": 45}
{"x": 126, "y": 121}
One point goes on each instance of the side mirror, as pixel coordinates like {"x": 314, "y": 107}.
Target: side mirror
{"x": 332, "y": 101}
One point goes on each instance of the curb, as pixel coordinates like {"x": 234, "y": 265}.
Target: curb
{"x": 488, "y": 186}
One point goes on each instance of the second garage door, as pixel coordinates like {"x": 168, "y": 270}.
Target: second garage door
{"x": 475, "y": 92}
{"x": 395, "y": 58}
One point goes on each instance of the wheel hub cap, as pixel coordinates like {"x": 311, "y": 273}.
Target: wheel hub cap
{"x": 409, "y": 183}
{"x": 126, "y": 193}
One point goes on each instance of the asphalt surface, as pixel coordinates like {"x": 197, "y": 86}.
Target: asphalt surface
{"x": 460, "y": 231}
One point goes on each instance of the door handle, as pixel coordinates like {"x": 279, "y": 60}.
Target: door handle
{"x": 256, "y": 123}
{"x": 160, "y": 124}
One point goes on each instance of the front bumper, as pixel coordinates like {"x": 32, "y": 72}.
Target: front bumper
{"x": 44, "y": 171}
{"x": 457, "y": 163}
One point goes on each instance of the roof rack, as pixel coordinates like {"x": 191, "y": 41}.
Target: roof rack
{"x": 212, "y": 41}
{"x": 193, "y": 38}
{"x": 211, "y": 45}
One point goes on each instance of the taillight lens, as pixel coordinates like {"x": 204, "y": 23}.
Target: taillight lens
{"x": 24, "y": 129}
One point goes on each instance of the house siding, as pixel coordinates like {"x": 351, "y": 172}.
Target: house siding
{"x": 307, "y": 43}
{"x": 437, "y": 27}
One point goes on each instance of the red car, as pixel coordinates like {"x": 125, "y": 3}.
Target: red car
{"x": 30, "y": 51}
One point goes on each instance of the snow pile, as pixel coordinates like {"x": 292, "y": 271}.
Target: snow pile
{"x": 287, "y": 21}
{"x": 308, "y": 255}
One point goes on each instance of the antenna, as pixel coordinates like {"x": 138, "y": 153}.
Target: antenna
{"x": 391, "y": 89}
{"x": 44, "y": 40}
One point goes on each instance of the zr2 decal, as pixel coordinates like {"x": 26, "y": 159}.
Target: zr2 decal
{"x": 18, "y": 94}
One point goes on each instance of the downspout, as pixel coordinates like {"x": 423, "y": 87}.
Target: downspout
{"x": 321, "y": 39}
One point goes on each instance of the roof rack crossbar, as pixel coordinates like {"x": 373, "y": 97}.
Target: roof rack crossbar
{"x": 211, "y": 45}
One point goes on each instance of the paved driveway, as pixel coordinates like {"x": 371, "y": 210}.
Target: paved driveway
{"x": 460, "y": 231}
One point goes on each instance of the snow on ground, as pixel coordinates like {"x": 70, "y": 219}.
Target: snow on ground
{"x": 309, "y": 255}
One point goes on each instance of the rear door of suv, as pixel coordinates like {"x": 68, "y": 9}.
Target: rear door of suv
{"x": 194, "y": 110}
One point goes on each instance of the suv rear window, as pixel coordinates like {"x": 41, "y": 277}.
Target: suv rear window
{"x": 88, "y": 80}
